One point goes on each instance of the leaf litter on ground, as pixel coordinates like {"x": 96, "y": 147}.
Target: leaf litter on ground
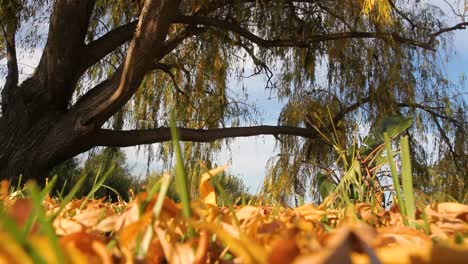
{"x": 92, "y": 230}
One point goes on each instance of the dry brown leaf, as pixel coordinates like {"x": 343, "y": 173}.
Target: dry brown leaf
{"x": 207, "y": 191}
{"x": 65, "y": 226}
{"x": 246, "y": 213}
{"x": 20, "y": 210}
{"x": 128, "y": 235}
{"x": 422, "y": 254}
{"x": 202, "y": 249}
{"x": 310, "y": 212}
{"x": 129, "y": 216}
{"x": 283, "y": 251}
{"x": 107, "y": 224}
{"x": 365, "y": 212}
{"x": 175, "y": 253}
{"x": 91, "y": 216}
{"x": 90, "y": 245}
{"x": 155, "y": 253}
{"x": 403, "y": 235}
{"x": 437, "y": 232}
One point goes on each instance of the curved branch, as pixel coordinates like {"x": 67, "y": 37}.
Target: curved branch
{"x": 459, "y": 26}
{"x": 350, "y": 109}
{"x": 446, "y": 139}
{"x": 431, "y": 111}
{"x": 148, "y": 45}
{"x": 99, "y": 48}
{"x": 167, "y": 70}
{"x": 274, "y": 43}
{"x": 258, "y": 62}
{"x": 126, "y": 138}
{"x": 89, "y": 101}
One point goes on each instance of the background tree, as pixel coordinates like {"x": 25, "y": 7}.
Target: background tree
{"x": 449, "y": 175}
{"x": 111, "y": 71}
{"x": 109, "y": 162}
{"x": 68, "y": 173}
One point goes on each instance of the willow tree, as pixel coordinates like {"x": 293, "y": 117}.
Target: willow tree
{"x": 111, "y": 71}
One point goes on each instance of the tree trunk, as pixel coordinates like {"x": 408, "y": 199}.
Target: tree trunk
{"x": 34, "y": 136}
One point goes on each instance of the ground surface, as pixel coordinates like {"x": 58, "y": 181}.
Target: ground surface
{"x": 145, "y": 231}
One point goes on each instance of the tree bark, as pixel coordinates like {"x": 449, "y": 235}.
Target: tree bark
{"x": 34, "y": 139}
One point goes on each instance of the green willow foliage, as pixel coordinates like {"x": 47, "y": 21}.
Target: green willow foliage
{"x": 337, "y": 86}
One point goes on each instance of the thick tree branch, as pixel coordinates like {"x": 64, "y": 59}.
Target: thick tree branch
{"x": 99, "y": 48}
{"x": 59, "y": 67}
{"x": 125, "y": 138}
{"x": 11, "y": 81}
{"x": 273, "y": 43}
{"x": 98, "y": 91}
{"x": 146, "y": 48}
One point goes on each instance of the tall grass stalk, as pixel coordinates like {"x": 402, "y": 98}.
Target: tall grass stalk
{"x": 181, "y": 180}
{"x": 70, "y": 195}
{"x": 405, "y": 194}
{"x": 96, "y": 185}
{"x": 393, "y": 171}
{"x": 48, "y": 188}
{"x": 407, "y": 180}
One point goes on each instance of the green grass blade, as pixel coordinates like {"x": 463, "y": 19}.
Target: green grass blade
{"x": 155, "y": 188}
{"x": 181, "y": 181}
{"x": 396, "y": 180}
{"x": 70, "y": 195}
{"x": 42, "y": 195}
{"x": 62, "y": 190}
{"x": 112, "y": 190}
{"x": 28, "y": 224}
{"x": 18, "y": 186}
{"x": 48, "y": 188}
{"x": 407, "y": 180}
{"x": 96, "y": 186}
{"x": 96, "y": 177}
